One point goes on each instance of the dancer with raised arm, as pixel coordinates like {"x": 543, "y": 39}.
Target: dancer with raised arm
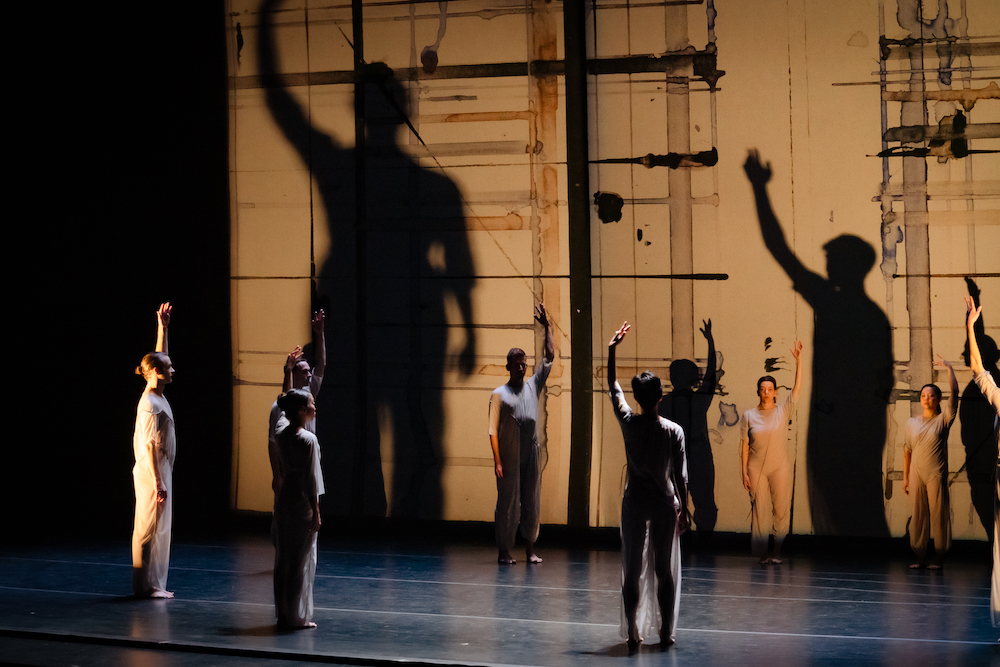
{"x": 514, "y": 441}
{"x": 654, "y": 508}
{"x": 988, "y": 386}
{"x": 296, "y": 512}
{"x": 298, "y": 375}
{"x": 765, "y": 465}
{"x": 925, "y": 471}
{"x": 154, "y": 446}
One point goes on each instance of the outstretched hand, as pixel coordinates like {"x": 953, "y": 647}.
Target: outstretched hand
{"x": 620, "y": 334}
{"x": 972, "y": 312}
{"x": 796, "y": 350}
{"x": 941, "y": 361}
{"x": 163, "y": 314}
{"x": 319, "y": 321}
{"x": 706, "y": 329}
{"x": 757, "y": 171}
{"x": 541, "y": 316}
{"x": 293, "y": 358}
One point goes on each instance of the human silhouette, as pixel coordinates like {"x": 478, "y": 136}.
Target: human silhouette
{"x": 852, "y": 375}
{"x": 977, "y": 418}
{"x": 687, "y": 405}
{"x": 399, "y": 254}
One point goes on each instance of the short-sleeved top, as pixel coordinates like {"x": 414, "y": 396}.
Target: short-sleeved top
{"x": 277, "y": 415}
{"x": 514, "y": 413}
{"x": 301, "y": 469}
{"x": 767, "y": 432}
{"x": 654, "y": 449}
{"x": 927, "y": 440}
{"x": 154, "y": 425}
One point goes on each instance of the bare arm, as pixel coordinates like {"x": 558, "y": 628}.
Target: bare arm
{"x": 543, "y": 319}
{"x": 293, "y": 358}
{"x": 952, "y": 383}
{"x": 975, "y": 356}
{"x": 907, "y": 455}
{"x": 494, "y": 435}
{"x": 797, "y": 387}
{"x": 617, "y": 338}
{"x": 162, "y": 323}
{"x": 497, "y": 464}
{"x": 319, "y": 338}
{"x": 744, "y": 462}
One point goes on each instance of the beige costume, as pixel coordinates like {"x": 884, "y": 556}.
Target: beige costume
{"x": 930, "y": 517}
{"x": 154, "y": 437}
{"x": 770, "y": 472}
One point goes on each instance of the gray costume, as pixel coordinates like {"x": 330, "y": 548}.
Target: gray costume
{"x": 513, "y": 416}
{"x": 988, "y": 386}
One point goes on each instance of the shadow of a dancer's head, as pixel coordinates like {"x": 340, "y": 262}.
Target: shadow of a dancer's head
{"x": 683, "y": 375}
{"x": 849, "y": 258}
{"x": 386, "y": 103}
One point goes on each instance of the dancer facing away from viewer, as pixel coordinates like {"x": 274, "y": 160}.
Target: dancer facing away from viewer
{"x": 654, "y": 508}
{"x": 298, "y": 375}
{"x": 925, "y": 471}
{"x": 296, "y": 512}
{"x": 514, "y": 441}
{"x": 988, "y": 386}
{"x": 154, "y": 446}
{"x": 765, "y": 465}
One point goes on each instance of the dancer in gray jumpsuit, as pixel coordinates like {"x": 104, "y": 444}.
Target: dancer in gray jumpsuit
{"x": 654, "y": 509}
{"x": 514, "y": 441}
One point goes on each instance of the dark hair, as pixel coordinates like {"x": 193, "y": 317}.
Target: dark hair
{"x": 647, "y": 389}
{"x": 767, "y": 378}
{"x": 153, "y": 360}
{"x": 937, "y": 390}
{"x": 683, "y": 374}
{"x": 515, "y": 352}
{"x": 292, "y": 401}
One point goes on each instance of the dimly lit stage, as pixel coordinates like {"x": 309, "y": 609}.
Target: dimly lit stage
{"x": 381, "y": 601}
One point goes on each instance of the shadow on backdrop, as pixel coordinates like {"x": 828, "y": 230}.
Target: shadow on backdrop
{"x": 687, "y": 404}
{"x": 852, "y": 376}
{"x": 399, "y": 258}
{"x": 977, "y": 417}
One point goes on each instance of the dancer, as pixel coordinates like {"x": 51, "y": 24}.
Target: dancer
{"x": 296, "y": 513}
{"x": 987, "y": 384}
{"x": 298, "y": 375}
{"x": 925, "y": 471}
{"x": 687, "y": 405}
{"x": 514, "y": 440}
{"x": 654, "y": 509}
{"x": 154, "y": 446}
{"x": 764, "y": 455}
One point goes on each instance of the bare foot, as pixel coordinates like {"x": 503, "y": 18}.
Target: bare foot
{"x": 532, "y": 557}
{"x": 764, "y": 561}
{"x": 936, "y": 566}
{"x": 166, "y": 595}
{"x": 776, "y": 561}
{"x": 505, "y": 558}
{"x": 916, "y": 566}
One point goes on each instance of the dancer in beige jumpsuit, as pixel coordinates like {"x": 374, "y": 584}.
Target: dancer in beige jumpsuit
{"x": 987, "y": 384}
{"x": 925, "y": 471}
{"x": 154, "y": 446}
{"x": 765, "y": 466}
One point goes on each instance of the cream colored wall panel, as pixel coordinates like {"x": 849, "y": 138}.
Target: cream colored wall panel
{"x": 472, "y": 493}
{"x": 253, "y": 491}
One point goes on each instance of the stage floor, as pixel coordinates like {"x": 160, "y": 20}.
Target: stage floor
{"x": 397, "y": 602}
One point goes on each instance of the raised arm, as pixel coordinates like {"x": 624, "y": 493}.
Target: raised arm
{"x": 804, "y": 280}
{"x": 543, "y": 319}
{"x": 972, "y": 314}
{"x": 290, "y": 361}
{"x": 797, "y": 387}
{"x": 162, "y": 323}
{"x": 709, "y": 382}
{"x": 952, "y": 383}
{"x": 617, "y": 338}
{"x": 319, "y": 341}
